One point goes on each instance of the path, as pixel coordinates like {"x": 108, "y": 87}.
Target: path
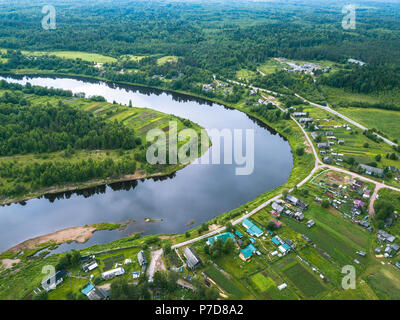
{"x": 318, "y": 165}
{"x": 156, "y": 264}
{"x": 329, "y": 109}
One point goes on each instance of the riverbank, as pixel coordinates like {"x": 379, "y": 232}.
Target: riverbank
{"x": 302, "y": 164}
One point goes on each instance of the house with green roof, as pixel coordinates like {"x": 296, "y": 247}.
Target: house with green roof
{"x": 247, "y": 252}
{"x": 252, "y": 229}
{"x": 223, "y": 236}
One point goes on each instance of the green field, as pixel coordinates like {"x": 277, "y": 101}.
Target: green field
{"x": 304, "y": 280}
{"x": 91, "y": 57}
{"x": 167, "y": 59}
{"x": 262, "y": 283}
{"x": 385, "y": 120}
{"x": 228, "y": 285}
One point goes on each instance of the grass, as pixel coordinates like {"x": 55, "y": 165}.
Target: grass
{"x": 167, "y": 59}
{"x": 228, "y": 285}
{"x": 262, "y": 283}
{"x": 384, "y": 120}
{"x": 333, "y": 234}
{"x": 85, "y": 56}
{"x": 304, "y": 280}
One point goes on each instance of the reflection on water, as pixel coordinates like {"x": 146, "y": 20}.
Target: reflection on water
{"x": 198, "y": 192}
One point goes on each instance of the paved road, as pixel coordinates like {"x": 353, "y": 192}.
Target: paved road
{"x": 329, "y": 109}
{"x": 318, "y": 165}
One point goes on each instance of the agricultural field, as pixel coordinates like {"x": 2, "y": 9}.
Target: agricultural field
{"x": 303, "y": 280}
{"x": 167, "y": 59}
{"x": 386, "y": 121}
{"x": 85, "y": 56}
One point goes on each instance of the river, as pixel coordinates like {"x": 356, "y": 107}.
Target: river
{"x": 196, "y": 193}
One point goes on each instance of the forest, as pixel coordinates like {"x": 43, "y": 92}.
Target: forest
{"x": 208, "y": 38}
{"x": 38, "y": 129}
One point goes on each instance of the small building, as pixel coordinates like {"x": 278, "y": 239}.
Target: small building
{"x": 246, "y": 253}
{"x": 314, "y": 135}
{"x": 292, "y": 199}
{"x": 341, "y": 142}
{"x": 327, "y": 160}
{"x": 239, "y": 234}
{"x": 282, "y": 286}
{"x": 113, "y": 273}
{"x": 299, "y": 114}
{"x": 277, "y": 207}
{"x": 310, "y": 223}
{"x": 51, "y": 282}
{"x": 94, "y": 293}
{"x": 359, "y": 203}
{"x": 278, "y": 224}
{"x": 222, "y": 236}
{"x": 192, "y": 260}
{"x": 395, "y": 247}
{"x": 299, "y": 216}
{"x": 89, "y": 266}
{"x": 323, "y": 145}
{"x": 142, "y": 258}
{"x": 276, "y": 241}
{"x": 306, "y": 120}
{"x": 362, "y": 253}
{"x": 372, "y": 171}
{"x": 251, "y": 228}
{"x": 284, "y": 248}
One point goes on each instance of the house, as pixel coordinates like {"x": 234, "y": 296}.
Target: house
{"x": 135, "y": 275}
{"x": 299, "y": 216}
{"x": 293, "y": 200}
{"x": 384, "y": 236}
{"x": 395, "y": 247}
{"x": 341, "y": 142}
{"x": 359, "y": 203}
{"x": 275, "y": 241}
{"x": 94, "y": 293}
{"x": 372, "y": 171}
{"x": 362, "y": 253}
{"x": 323, "y": 145}
{"x": 239, "y": 234}
{"x": 113, "y": 273}
{"x": 306, "y": 120}
{"x": 51, "y": 282}
{"x": 275, "y": 214}
{"x": 282, "y": 286}
{"x": 278, "y": 224}
{"x": 223, "y": 236}
{"x": 388, "y": 251}
{"x": 284, "y": 249}
{"x": 89, "y": 266}
{"x": 142, "y": 258}
{"x": 327, "y": 160}
{"x": 377, "y": 250}
{"x": 252, "y": 229}
{"x": 290, "y": 243}
{"x": 193, "y": 261}
{"x": 299, "y": 114}
{"x": 277, "y": 207}
{"x": 314, "y": 135}
{"x": 246, "y": 253}
{"x": 310, "y": 223}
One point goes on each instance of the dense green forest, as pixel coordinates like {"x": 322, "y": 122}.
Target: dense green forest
{"x": 208, "y": 38}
